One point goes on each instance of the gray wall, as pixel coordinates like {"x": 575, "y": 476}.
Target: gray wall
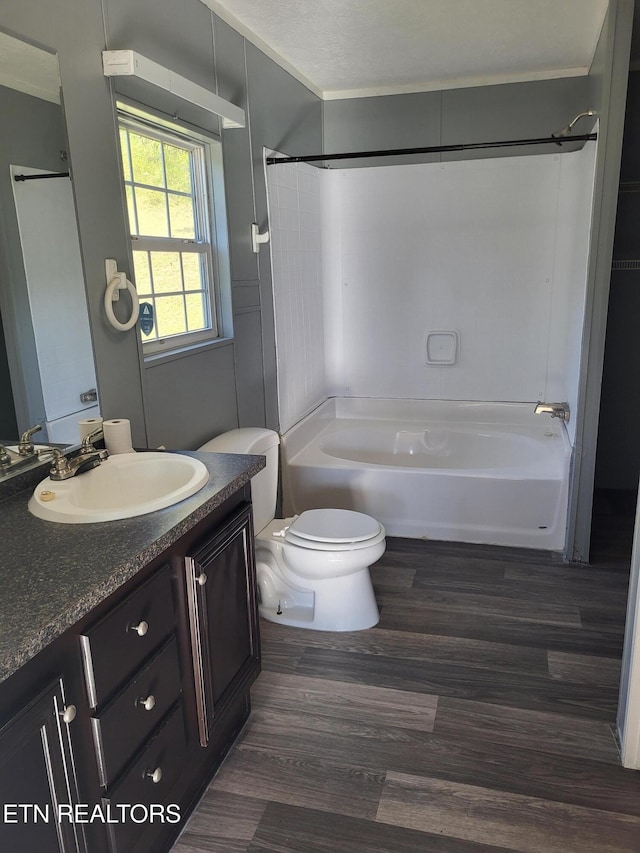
{"x": 233, "y": 383}
{"x": 608, "y": 78}
{"x": 33, "y": 135}
{"x": 75, "y": 29}
{"x": 455, "y": 116}
{"x": 177, "y": 402}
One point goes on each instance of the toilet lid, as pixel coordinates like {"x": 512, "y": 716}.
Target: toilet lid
{"x": 315, "y": 545}
{"x": 333, "y": 526}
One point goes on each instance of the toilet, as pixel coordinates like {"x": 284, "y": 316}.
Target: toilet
{"x": 312, "y": 569}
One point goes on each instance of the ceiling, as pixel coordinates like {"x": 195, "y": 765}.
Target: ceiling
{"x": 359, "y": 48}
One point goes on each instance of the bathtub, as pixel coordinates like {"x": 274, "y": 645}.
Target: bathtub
{"x": 457, "y": 471}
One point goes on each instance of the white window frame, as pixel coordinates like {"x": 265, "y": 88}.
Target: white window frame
{"x": 205, "y": 161}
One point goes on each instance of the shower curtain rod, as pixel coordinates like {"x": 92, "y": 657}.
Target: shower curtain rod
{"x": 40, "y": 177}
{"x": 433, "y": 149}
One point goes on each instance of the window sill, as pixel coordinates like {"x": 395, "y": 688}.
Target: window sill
{"x": 157, "y": 358}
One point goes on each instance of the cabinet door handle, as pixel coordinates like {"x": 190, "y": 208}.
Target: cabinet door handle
{"x": 201, "y": 579}
{"x": 69, "y": 714}
{"x": 141, "y": 628}
{"x": 154, "y": 775}
{"x": 147, "y": 703}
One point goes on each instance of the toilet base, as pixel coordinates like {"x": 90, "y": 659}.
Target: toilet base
{"x": 345, "y": 603}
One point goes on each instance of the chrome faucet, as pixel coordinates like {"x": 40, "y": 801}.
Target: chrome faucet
{"x": 6, "y": 457}
{"x": 556, "y": 410}
{"x": 26, "y": 446}
{"x": 12, "y": 460}
{"x": 85, "y": 459}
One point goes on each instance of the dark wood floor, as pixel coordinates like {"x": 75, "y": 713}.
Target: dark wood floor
{"x": 477, "y": 716}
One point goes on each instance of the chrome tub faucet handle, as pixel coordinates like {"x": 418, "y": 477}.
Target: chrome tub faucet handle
{"x": 556, "y": 410}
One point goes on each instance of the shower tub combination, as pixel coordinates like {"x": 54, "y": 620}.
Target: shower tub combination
{"x": 433, "y": 469}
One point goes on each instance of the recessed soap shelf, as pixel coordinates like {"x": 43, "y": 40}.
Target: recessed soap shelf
{"x": 441, "y": 347}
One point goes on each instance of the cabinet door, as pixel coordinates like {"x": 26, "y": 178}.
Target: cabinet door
{"x": 37, "y": 778}
{"x": 221, "y": 591}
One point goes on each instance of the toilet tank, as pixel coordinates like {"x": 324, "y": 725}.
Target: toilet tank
{"x": 264, "y": 486}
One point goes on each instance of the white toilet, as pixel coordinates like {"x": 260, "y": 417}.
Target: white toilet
{"x": 312, "y": 569}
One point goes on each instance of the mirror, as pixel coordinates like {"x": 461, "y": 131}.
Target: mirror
{"x": 47, "y": 373}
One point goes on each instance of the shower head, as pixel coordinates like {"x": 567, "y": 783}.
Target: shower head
{"x": 567, "y": 130}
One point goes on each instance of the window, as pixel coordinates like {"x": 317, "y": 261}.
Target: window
{"x": 166, "y": 178}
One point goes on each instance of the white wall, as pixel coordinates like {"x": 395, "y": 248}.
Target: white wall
{"x": 494, "y": 249}
{"x": 296, "y": 256}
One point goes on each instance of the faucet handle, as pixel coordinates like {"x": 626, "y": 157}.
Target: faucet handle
{"x": 90, "y": 437}
{"x": 556, "y": 410}
{"x": 59, "y": 466}
{"x": 26, "y": 447}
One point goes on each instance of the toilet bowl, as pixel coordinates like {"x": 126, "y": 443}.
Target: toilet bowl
{"x": 312, "y": 569}
{"x": 321, "y": 582}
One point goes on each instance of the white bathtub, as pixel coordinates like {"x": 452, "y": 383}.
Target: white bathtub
{"x": 465, "y": 472}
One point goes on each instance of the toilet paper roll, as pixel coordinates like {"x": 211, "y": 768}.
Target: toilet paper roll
{"x": 88, "y": 425}
{"x": 117, "y": 436}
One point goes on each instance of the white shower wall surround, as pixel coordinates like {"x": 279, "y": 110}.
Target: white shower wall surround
{"x": 495, "y": 249}
{"x": 294, "y": 197}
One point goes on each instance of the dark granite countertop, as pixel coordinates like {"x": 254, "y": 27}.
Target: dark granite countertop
{"x": 53, "y": 574}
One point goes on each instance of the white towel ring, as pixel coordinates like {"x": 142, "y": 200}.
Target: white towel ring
{"x": 111, "y": 295}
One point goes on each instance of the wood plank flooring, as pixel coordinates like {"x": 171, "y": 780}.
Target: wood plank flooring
{"x": 477, "y": 716}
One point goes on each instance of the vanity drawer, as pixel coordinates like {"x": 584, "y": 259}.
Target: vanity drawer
{"x": 163, "y": 760}
{"x": 114, "y": 647}
{"x": 130, "y": 717}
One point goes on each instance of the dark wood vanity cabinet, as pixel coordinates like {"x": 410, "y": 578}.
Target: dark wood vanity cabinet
{"x": 160, "y": 675}
{"x": 221, "y": 594}
{"x": 38, "y": 785}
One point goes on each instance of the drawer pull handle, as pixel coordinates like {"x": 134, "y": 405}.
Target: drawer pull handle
{"x": 202, "y": 579}
{"x": 154, "y": 775}
{"x": 141, "y": 628}
{"x": 69, "y": 714}
{"x": 148, "y": 704}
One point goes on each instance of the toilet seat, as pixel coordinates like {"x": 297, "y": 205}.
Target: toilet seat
{"x": 337, "y": 548}
{"x": 334, "y": 530}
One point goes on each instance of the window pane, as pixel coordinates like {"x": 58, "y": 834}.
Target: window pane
{"x": 191, "y": 271}
{"x": 181, "y": 216}
{"x": 131, "y": 210}
{"x": 141, "y": 273}
{"x": 165, "y": 181}
{"x": 146, "y": 157}
{"x": 152, "y": 213}
{"x": 178, "y": 166}
{"x": 167, "y": 276}
{"x": 196, "y": 316}
{"x": 124, "y": 148}
{"x": 170, "y": 316}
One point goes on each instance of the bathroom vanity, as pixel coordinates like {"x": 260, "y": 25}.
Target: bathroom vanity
{"x": 127, "y": 650}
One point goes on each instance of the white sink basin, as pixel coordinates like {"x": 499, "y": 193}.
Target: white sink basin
{"x": 122, "y": 486}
